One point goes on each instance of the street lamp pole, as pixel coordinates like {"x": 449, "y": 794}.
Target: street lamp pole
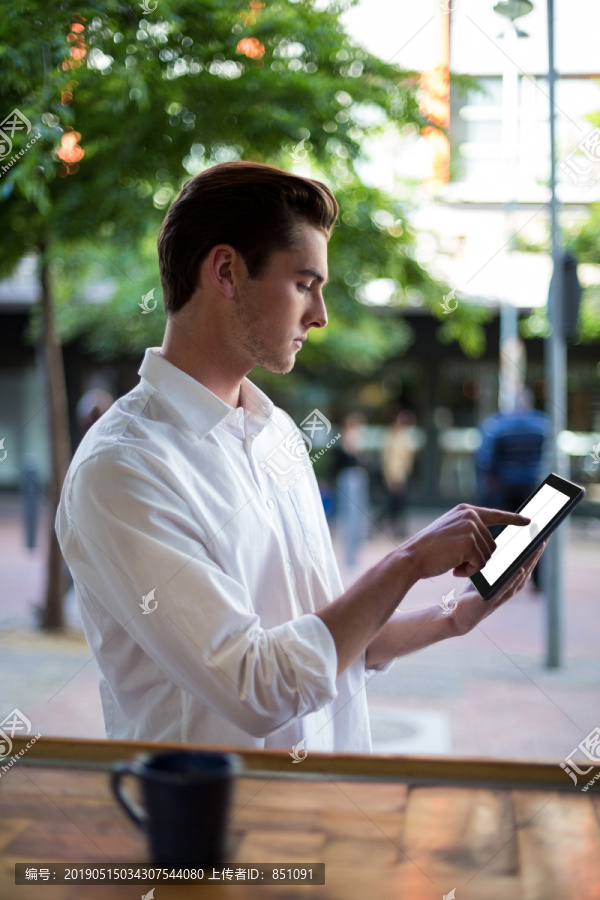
{"x": 555, "y": 355}
{"x": 555, "y": 368}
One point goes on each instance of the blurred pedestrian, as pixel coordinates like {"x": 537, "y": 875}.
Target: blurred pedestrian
{"x": 351, "y": 479}
{"x": 397, "y": 462}
{"x": 510, "y": 458}
{"x": 90, "y": 406}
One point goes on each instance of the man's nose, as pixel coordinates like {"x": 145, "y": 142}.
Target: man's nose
{"x": 318, "y": 313}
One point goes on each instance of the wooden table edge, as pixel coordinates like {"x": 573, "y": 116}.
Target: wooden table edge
{"x": 102, "y": 754}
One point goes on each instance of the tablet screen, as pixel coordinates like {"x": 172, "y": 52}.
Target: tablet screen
{"x": 513, "y": 539}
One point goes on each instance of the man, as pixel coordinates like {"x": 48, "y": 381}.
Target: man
{"x": 510, "y": 459}
{"x": 351, "y": 479}
{"x": 397, "y": 461}
{"x": 210, "y": 595}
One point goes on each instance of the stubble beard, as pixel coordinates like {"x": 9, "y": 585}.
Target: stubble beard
{"x": 249, "y": 331}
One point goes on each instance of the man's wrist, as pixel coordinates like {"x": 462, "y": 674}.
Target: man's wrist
{"x": 453, "y": 626}
{"x": 408, "y": 563}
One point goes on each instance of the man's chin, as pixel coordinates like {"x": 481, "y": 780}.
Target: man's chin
{"x": 279, "y": 366}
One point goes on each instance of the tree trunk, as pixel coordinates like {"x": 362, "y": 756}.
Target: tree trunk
{"x": 60, "y": 449}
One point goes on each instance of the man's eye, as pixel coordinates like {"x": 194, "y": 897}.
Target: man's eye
{"x": 304, "y": 287}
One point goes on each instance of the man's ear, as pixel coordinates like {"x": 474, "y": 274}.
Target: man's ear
{"x": 221, "y": 268}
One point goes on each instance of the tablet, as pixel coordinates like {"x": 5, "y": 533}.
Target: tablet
{"x": 554, "y": 499}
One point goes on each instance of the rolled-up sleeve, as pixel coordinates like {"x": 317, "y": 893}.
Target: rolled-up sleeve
{"x": 380, "y": 667}
{"x": 126, "y": 531}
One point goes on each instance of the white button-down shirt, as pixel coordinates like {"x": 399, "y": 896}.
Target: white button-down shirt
{"x": 198, "y": 576}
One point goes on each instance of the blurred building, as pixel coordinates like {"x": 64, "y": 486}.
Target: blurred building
{"x": 23, "y": 390}
{"x": 479, "y": 198}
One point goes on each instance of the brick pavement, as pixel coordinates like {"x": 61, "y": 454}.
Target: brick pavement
{"x": 485, "y": 694}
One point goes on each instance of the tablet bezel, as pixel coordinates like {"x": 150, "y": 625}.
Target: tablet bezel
{"x": 575, "y": 492}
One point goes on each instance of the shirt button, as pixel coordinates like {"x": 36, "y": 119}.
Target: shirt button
{"x": 270, "y": 504}
{"x": 288, "y": 567}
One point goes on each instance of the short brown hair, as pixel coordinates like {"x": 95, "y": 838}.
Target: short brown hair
{"x": 254, "y": 207}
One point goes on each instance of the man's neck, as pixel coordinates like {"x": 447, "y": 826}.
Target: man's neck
{"x": 225, "y": 387}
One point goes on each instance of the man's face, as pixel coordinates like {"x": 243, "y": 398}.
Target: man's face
{"x": 284, "y": 303}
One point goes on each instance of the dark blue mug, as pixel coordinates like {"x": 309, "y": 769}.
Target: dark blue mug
{"x": 186, "y": 804}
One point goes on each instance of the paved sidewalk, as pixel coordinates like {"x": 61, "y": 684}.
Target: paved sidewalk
{"x": 52, "y": 679}
{"x": 486, "y": 694}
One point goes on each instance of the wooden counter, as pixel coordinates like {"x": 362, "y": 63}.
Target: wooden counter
{"x": 403, "y": 828}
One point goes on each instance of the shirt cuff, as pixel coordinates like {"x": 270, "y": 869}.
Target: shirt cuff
{"x": 310, "y": 648}
{"x": 380, "y": 667}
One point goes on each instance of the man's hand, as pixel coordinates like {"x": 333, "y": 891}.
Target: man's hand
{"x": 458, "y": 540}
{"x": 471, "y": 608}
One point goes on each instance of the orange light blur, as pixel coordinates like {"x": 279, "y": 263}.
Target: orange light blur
{"x": 251, "y": 47}
{"x": 78, "y": 50}
{"x": 69, "y": 152}
{"x": 436, "y": 102}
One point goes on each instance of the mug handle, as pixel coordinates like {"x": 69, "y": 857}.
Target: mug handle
{"x": 135, "y": 812}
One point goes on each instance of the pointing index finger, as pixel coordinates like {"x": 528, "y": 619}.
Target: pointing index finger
{"x": 502, "y": 517}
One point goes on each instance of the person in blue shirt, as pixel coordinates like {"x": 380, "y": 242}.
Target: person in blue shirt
{"x": 510, "y": 458}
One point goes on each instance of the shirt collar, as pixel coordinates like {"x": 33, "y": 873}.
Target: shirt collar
{"x": 195, "y": 403}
